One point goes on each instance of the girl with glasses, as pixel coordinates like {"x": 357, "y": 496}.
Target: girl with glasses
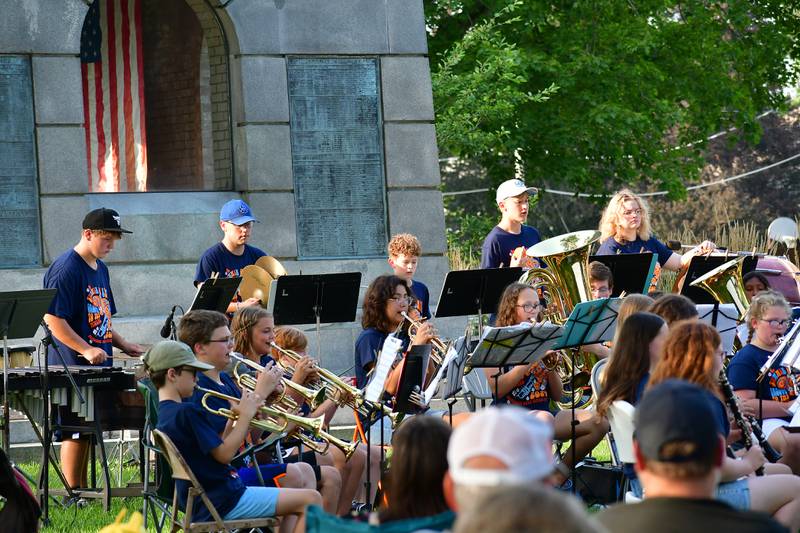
{"x": 625, "y": 229}
{"x": 533, "y": 385}
{"x": 769, "y": 398}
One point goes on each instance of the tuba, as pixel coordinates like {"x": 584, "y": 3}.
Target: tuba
{"x": 566, "y": 282}
{"x": 726, "y": 285}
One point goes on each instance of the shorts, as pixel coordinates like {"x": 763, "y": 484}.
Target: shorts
{"x": 256, "y": 502}
{"x": 272, "y": 474}
{"x": 771, "y": 424}
{"x": 735, "y": 493}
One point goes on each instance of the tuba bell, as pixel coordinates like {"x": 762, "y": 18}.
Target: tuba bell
{"x": 726, "y": 285}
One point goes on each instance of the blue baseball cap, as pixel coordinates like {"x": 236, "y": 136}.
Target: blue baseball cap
{"x": 236, "y": 212}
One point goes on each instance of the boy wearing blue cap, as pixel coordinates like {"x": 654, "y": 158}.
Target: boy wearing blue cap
{"x": 228, "y": 257}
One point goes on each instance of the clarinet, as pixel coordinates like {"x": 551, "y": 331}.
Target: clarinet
{"x": 748, "y": 425}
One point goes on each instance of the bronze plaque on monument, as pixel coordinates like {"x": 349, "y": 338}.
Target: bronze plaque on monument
{"x": 337, "y": 157}
{"x": 19, "y": 212}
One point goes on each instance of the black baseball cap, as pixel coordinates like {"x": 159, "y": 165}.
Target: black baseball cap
{"x": 103, "y": 219}
{"x": 677, "y": 411}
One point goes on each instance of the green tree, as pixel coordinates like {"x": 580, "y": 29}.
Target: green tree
{"x": 633, "y": 87}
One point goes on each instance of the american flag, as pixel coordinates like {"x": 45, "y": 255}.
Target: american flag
{"x": 113, "y": 96}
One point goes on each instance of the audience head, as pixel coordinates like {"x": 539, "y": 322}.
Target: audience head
{"x": 754, "y": 282}
{"x": 625, "y": 210}
{"x": 768, "y": 317}
{"x": 636, "y": 349}
{"x": 385, "y": 299}
{"x": 692, "y": 352}
{"x": 674, "y": 307}
{"x": 518, "y": 303}
{"x": 601, "y": 280}
{"x": 419, "y": 461}
{"x": 253, "y": 331}
{"x": 676, "y": 438}
{"x": 499, "y": 446}
{"x": 529, "y": 509}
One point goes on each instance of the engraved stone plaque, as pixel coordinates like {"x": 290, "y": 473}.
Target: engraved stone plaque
{"x": 19, "y": 213}
{"x": 337, "y": 157}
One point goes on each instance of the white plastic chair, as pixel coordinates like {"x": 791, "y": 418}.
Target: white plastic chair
{"x": 620, "y": 418}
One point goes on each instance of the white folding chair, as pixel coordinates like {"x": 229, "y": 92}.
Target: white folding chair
{"x": 620, "y": 418}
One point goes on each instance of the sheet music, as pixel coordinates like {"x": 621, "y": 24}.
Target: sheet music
{"x": 451, "y": 355}
{"x": 513, "y": 345}
{"x": 391, "y": 347}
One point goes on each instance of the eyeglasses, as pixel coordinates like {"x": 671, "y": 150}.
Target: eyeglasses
{"x": 226, "y": 340}
{"x": 408, "y": 300}
{"x": 777, "y": 323}
{"x": 601, "y": 290}
{"x": 530, "y": 308}
{"x": 632, "y": 212}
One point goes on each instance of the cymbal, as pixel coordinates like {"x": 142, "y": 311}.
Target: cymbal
{"x": 255, "y": 284}
{"x": 273, "y": 267}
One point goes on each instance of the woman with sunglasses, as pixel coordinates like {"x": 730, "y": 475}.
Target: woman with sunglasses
{"x": 533, "y": 386}
{"x": 768, "y": 399}
{"x": 625, "y": 229}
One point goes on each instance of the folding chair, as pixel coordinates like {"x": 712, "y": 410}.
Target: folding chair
{"x": 620, "y": 418}
{"x": 157, "y": 495}
{"x": 180, "y": 470}
{"x": 476, "y": 387}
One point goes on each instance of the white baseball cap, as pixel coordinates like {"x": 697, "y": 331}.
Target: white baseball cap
{"x": 511, "y": 188}
{"x": 509, "y": 434}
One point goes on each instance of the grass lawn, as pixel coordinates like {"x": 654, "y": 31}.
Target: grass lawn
{"x": 91, "y": 518}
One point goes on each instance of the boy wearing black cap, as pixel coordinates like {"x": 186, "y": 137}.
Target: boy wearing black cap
{"x": 228, "y": 257}
{"x": 80, "y": 315}
{"x": 679, "y": 450}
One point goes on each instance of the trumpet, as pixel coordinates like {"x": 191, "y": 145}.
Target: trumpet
{"x": 439, "y": 350}
{"x": 246, "y": 380}
{"x": 272, "y": 423}
{"x": 344, "y": 393}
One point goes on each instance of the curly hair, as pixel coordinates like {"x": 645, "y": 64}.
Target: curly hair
{"x": 380, "y": 291}
{"x": 674, "y": 307}
{"x": 242, "y": 326}
{"x": 609, "y": 223}
{"x": 507, "y": 307}
{"x": 406, "y": 244}
{"x": 759, "y": 305}
{"x": 630, "y": 359}
{"x": 689, "y": 353}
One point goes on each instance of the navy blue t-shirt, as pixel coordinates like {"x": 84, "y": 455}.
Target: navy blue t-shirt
{"x": 611, "y": 247}
{"x": 85, "y": 301}
{"x": 743, "y": 372}
{"x": 195, "y": 437}
{"x": 219, "y": 259}
{"x": 500, "y": 244}
{"x": 228, "y": 386}
{"x": 368, "y": 346}
{"x": 423, "y": 295}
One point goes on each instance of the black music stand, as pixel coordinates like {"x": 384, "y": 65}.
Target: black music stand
{"x": 474, "y": 292}
{"x": 589, "y": 323}
{"x": 21, "y": 313}
{"x": 412, "y": 378}
{"x": 513, "y": 345}
{"x": 215, "y": 294}
{"x": 632, "y": 273}
{"x": 702, "y": 264}
{"x": 315, "y": 298}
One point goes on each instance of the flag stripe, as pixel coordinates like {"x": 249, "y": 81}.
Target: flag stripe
{"x": 114, "y": 96}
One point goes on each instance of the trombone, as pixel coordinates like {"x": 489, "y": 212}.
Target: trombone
{"x": 343, "y": 390}
{"x": 272, "y": 424}
{"x": 246, "y": 380}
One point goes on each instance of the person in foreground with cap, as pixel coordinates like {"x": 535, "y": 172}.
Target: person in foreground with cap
{"x": 228, "y": 257}
{"x": 80, "y": 316}
{"x": 505, "y": 245}
{"x": 679, "y": 452}
{"x": 173, "y": 370}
